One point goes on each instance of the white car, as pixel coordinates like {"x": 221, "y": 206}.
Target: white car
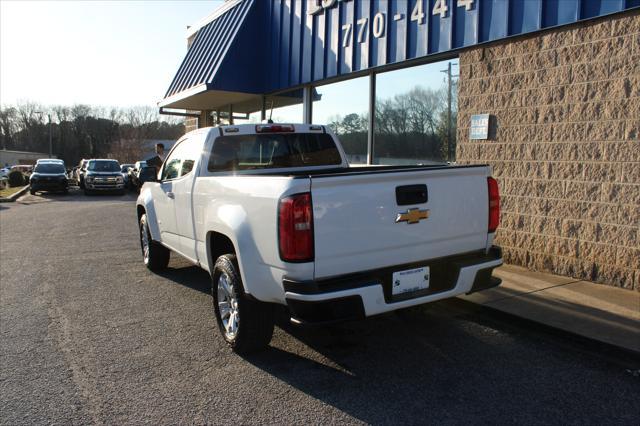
{"x": 276, "y": 215}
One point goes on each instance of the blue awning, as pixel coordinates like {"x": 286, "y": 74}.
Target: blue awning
{"x": 215, "y": 62}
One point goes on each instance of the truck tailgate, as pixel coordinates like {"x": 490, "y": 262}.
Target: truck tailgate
{"x": 355, "y": 214}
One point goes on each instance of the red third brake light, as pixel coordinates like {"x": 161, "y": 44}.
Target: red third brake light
{"x": 274, "y": 128}
{"x": 494, "y": 204}
{"x": 295, "y": 228}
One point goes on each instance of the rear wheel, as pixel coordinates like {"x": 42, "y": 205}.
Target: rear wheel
{"x": 32, "y": 191}
{"x": 245, "y": 324}
{"x": 155, "y": 255}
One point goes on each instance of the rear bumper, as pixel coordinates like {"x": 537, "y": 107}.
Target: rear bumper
{"x": 369, "y": 293}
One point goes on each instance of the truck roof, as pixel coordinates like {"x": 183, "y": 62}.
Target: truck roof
{"x": 256, "y": 128}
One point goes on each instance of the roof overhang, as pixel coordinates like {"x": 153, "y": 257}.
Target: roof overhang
{"x": 201, "y": 98}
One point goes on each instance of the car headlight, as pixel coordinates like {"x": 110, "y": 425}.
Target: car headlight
{"x": 119, "y": 179}
{"x": 89, "y": 179}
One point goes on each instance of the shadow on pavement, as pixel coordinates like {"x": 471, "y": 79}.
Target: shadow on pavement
{"x": 425, "y": 366}
{"x": 190, "y": 276}
{"x": 74, "y": 195}
{"x": 429, "y": 364}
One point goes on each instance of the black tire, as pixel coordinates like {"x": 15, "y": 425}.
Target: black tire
{"x": 87, "y": 192}
{"x": 32, "y": 191}
{"x": 255, "y": 319}
{"x": 158, "y": 256}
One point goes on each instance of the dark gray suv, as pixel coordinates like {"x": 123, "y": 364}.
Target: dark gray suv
{"x": 103, "y": 175}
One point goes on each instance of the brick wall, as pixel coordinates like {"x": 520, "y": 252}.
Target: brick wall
{"x": 190, "y": 123}
{"x": 565, "y": 148}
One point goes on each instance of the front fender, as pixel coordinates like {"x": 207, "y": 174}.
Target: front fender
{"x": 146, "y": 202}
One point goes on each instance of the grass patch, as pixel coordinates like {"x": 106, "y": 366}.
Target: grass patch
{"x": 7, "y": 192}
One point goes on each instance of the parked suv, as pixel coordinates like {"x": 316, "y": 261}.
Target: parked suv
{"x": 80, "y": 172}
{"x": 125, "y": 169}
{"x": 103, "y": 175}
{"x": 49, "y": 176}
{"x": 145, "y": 174}
{"x": 133, "y": 174}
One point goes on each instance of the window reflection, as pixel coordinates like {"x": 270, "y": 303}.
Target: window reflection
{"x": 412, "y": 116}
{"x": 343, "y": 106}
{"x": 285, "y": 107}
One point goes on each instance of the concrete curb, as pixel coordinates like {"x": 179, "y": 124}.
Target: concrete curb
{"x": 15, "y": 196}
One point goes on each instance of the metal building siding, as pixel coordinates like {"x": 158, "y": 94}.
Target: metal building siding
{"x": 209, "y": 48}
{"x": 291, "y": 47}
{"x": 330, "y": 44}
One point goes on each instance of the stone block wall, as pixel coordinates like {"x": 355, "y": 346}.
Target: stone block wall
{"x": 190, "y": 123}
{"x": 565, "y": 148}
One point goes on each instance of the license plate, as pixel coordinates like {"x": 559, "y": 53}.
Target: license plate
{"x": 410, "y": 280}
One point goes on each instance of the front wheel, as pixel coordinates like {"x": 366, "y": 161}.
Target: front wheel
{"x": 245, "y": 324}
{"x": 155, "y": 255}
{"x": 32, "y": 191}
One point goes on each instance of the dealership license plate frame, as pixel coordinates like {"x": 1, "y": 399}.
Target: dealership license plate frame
{"x": 410, "y": 281}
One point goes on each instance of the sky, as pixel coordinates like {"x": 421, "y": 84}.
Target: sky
{"x": 111, "y": 53}
{"x": 125, "y": 53}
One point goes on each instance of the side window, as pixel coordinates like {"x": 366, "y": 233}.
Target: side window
{"x": 182, "y": 159}
{"x": 187, "y": 166}
{"x": 191, "y": 151}
{"x": 171, "y": 169}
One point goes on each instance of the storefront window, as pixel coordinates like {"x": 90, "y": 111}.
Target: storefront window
{"x": 343, "y": 106}
{"x": 411, "y": 123}
{"x": 247, "y": 118}
{"x": 285, "y": 107}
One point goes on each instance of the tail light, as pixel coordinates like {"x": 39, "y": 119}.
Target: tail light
{"x": 295, "y": 228}
{"x": 274, "y": 128}
{"x": 494, "y": 204}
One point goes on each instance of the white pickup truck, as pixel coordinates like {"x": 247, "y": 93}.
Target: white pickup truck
{"x": 276, "y": 216}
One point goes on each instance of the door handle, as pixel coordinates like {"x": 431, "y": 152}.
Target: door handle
{"x": 171, "y": 195}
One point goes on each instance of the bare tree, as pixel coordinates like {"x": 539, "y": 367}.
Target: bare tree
{"x": 8, "y": 118}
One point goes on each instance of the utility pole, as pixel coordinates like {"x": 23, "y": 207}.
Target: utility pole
{"x": 50, "y": 133}
{"x": 449, "y": 87}
{"x": 50, "y": 140}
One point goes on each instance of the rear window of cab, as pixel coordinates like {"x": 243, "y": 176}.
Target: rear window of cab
{"x": 273, "y": 150}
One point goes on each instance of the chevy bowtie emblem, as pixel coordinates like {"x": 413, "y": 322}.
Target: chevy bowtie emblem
{"x": 412, "y": 216}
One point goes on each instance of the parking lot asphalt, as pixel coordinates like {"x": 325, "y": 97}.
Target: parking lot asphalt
{"x": 88, "y": 335}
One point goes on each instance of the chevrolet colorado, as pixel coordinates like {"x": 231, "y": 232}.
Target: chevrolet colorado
{"x": 276, "y": 216}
